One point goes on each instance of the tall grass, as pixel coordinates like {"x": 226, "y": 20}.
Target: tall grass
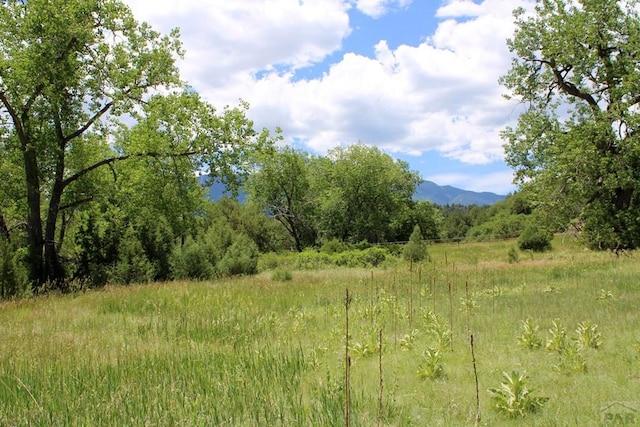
{"x": 254, "y": 351}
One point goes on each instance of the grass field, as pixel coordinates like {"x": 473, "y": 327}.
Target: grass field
{"x": 254, "y": 351}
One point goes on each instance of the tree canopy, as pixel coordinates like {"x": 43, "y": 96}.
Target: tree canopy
{"x": 352, "y": 194}
{"x": 74, "y": 76}
{"x": 575, "y": 69}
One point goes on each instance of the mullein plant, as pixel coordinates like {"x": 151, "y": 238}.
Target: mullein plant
{"x": 529, "y": 338}
{"x": 513, "y": 398}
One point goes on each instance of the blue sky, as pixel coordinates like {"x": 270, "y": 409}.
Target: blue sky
{"x": 417, "y": 78}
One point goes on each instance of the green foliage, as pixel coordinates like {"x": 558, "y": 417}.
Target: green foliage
{"x": 192, "y": 261}
{"x": 281, "y": 275}
{"x": 422, "y": 213}
{"x": 157, "y": 240}
{"x": 513, "y": 255}
{"x": 513, "y": 398}
{"x": 241, "y": 258}
{"x": 437, "y": 329}
{"x": 457, "y": 220}
{"x": 529, "y": 338}
{"x": 570, "y": 360}
{"x": 503, "y": 225}
{"x": 605, "y": 295}
{"x": 282, "y": 186}
{"x": 535, "y": 239}
{"x": 333, "y": 246}
{"x": 251, "y": 351}
{"x": 431, "y": 366}
{"x": 132, "y": 266}
{"x": 361, "y": 193}
{"x": 416, "y": 249}
{"x": 575, "y": 148}
{"x": 13, "y": 278}
{"x": 588, "y": 336}
{"x": 97, "y": 248}
{"x": 73, "y": 73}
{"x": 408, "y": 342}
{"x": 557, "y": 341}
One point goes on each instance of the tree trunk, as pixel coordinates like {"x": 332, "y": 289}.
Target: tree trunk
{"x": 34, "y": 221}
{"x": 4, "y": 229}
{"x": 53, "y": 270}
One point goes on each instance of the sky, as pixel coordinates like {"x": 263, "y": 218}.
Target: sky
{"x": 416, "y": 78}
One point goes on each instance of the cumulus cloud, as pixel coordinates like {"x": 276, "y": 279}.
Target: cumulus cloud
{"x": 226, "y": 41}
{"x": 377, "y": 8}
{"x": 441, "y": 94}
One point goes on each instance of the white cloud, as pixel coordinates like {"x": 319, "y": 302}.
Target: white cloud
{"x": 441, "y": 94}
{"x": 224, "y": 39}
{"x": 458, "y": 9}
{"x": 377, "y": 8}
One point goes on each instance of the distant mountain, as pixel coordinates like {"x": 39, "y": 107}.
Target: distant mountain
{"x": 218, "y": 190}
{"x": 430, "y": 191}
{"x": 448, "y": 195}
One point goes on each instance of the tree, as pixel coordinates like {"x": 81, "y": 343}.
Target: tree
{"x": 422, "y": 213}
{"x": 576, "y": 145}
{"x": 282, "y": 187}
{"x": 416, "y": 248}
{"x": 71, "y": 74}
{"x": 361, "y": 192}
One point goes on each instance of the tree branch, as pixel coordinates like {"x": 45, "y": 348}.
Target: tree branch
{"x": 111, "y": 160}
{"x": 76, "y": 203}
{"x": 14, "y": 116}
{"x": 570, "y": 88}
{"x": 90, "y": 122}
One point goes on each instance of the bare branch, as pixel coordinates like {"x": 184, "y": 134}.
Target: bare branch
{"x": 571, "y": 88}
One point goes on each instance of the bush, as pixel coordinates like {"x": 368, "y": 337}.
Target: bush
{"x": 132, "y": 266}
{"x": 240, "y": 258}
{"x": 191, "y": 261}
{"x": 13, "y": 278}
{"x": 416, "y": 249}
{"x": 281, "y": 275}
{"x": 535, "y": 239}
{"x": 373, "y": 256}
{"x": 514, "y": 257}
{"x": 333, "y": 246}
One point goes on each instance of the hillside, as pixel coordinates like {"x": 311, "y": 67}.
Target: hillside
{"x": 448, "y": 195}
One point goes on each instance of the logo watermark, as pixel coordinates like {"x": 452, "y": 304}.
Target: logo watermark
{"x": 620, "y": 414}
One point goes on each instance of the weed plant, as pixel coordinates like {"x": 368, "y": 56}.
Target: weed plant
{"x": 256, "y": 351}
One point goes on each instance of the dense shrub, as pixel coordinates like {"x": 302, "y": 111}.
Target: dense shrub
{"x": 535, "y": 239}
{"x": 333, "y": 246}
{"x": 502, "y": 226}
{"x": 13, "y": 278}
{"x": 513, "y": 255}
{"x": 416, "y": 248}
{"x": 373, "y": 256}
{"x": 281, "y": 275}
{"x": 191, "y": 261}
{"x": 132, "y": 266}
{"x": 240, "y": 258}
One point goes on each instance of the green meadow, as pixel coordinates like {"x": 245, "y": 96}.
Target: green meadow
{"x": 258, "y": 351}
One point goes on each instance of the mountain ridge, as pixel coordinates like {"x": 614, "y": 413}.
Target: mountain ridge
{"x": 449, "y": 195}
{"x": 426, "y": 191}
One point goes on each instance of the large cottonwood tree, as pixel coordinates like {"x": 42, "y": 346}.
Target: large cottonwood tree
{"x": 73, "y": 73}
{"x": 575, "y": 69}
{"x": 362, "y": 193}
{"x": 282, "y": 186}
